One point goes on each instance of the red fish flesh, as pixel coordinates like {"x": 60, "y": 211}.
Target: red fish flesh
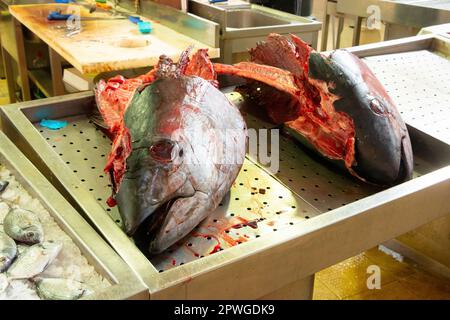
{"x": 333, "y": 103}
{"x": 179, "y": 145}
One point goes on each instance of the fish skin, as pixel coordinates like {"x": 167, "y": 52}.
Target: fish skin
{"x": 60, "y": 289}
{"x": 383, "y": 152}
{"x": 8, "y": 251}
{"x": 21, "y": 248}
{"x": 34, "y": 260}
{"x": 3, "y": 185}
{"x": 24, "y": 226}
{"x": 333, "y": 104}
{"x": 164, "y": 179}
{"x": 189, "y": 106}
{"x": 4, "y": 283}
{"x": 4, "y": 210}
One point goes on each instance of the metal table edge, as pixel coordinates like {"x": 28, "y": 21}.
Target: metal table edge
{"x": 171, "y": 277}
{"x": 96, "y": 214}
{"x": 315, "y": 226}
{"x": 118, "y": 271}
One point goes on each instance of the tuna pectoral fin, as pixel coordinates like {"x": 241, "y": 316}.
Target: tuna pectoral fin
{"x": 184, "y": 215}
{"x": 99, "y": 122}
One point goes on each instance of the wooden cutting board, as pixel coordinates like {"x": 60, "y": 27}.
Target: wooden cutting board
{"x": 105, "y": 45}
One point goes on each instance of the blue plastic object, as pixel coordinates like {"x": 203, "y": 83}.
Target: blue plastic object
{"x": 134, "y": 19}
{"x": 215, "y": 1}
{"x": 145, "y": 27}
{"x": 55, "y": 15}
{"x": 63, "y": 1}
{"x": 53, "y": 124}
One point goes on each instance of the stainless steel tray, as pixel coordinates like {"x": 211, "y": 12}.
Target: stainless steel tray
{"x": 309, "y": 214}
{"x": 124, "y": 284}
{"x": 416, "y": 73}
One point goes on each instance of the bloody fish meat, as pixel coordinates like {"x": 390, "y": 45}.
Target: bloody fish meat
{"x": 333, "y": 103}
{"x": 179, "y": 145}
{"x": 168, "y": 179}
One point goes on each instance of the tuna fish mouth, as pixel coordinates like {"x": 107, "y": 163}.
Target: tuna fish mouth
{"x": 149, "y": 228}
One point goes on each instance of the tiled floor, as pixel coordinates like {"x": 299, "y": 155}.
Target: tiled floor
{"x": 399, "y": 280}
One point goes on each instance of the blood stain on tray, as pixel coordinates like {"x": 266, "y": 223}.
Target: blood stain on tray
{"x": 189, "y": 248}
{"x": 240, "y": 218}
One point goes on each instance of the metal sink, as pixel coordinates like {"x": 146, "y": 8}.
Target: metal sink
{"x": 247, "y": 18}
{"x": 241, "y": 27}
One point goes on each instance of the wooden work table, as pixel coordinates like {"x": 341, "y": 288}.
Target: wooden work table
{"x": 101, "y": 45}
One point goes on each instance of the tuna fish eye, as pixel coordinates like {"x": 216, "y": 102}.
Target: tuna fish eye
{"x": 162, "y": 150}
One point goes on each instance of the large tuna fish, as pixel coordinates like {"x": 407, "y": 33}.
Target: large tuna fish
{"x": 179, "y": 145}
{"x": 333, "y": 103}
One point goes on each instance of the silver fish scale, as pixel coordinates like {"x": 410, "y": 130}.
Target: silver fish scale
{"x": 419, "y": 83}
{"x": 34, "y": 260}
{"x": 60, "y": 289}
{"x": 258, "y": 204}
{"x": 8, "y": 251}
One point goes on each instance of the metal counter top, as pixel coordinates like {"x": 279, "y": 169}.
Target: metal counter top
{"x": 123, "y": 283}
{"x": 312, "y": 215}
{"x": 416, "y": 13}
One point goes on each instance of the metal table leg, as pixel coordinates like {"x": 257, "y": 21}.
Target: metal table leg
{"x": 339, "y": 31}
{"x": 22, "y": 62}
{"x": 330, "y": 12}
{"x": 326, "y": 26}
{"x": 357, "y": 31}
{"x": 7, "y": 64}
{"x": 314, "y": 42}
{"x": 227, "y": 52}
{"x": 57, "y": 73}
{"x": 2, "y": 69}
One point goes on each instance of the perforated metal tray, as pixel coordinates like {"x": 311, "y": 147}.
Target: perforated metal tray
{"x": 123, "y": 283}
{"x": 256, "y": 205}
{"x": 420, "y": 83}
{"x": 416, "y": 73}
{"x": 273, "y": 229}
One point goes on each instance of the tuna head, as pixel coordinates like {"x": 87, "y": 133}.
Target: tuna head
{"x": 176, "y": 173}
{"x": 383, "y": 152}
{"x": 333, "y": 104}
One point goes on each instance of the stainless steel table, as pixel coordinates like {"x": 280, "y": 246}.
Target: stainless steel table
{"x": 243, "y": 26}
{"x": 308, "y": 215}
{"x": 403, "y": 17}
{"x": 123, "y": 283}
